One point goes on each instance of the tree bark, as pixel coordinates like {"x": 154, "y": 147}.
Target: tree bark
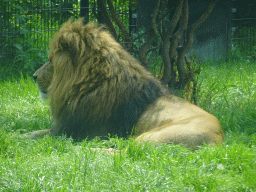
{"x": 106, "y": 19}
{"x": 175, "y": 40}
{"x": 84, "y": 10}
{"x": 119, "y": 22}
{"x": 165, "y": 43}
{"x": 153, "y": 33}
{"x": 188, "y": 43}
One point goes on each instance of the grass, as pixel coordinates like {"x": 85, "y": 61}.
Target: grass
{"x": 227, "y": 90}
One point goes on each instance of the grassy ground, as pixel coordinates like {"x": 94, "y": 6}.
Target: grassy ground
{"x": 227, "y": 90}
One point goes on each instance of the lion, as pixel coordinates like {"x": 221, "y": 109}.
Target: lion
{"x": 95, "y": 88}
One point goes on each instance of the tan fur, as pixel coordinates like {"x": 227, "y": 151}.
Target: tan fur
{"x": 94, "y": 85}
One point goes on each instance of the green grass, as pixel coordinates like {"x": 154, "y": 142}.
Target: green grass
{"x": 227, "y": 90}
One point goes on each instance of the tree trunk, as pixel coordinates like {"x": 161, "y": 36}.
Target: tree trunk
{"x": 173, "y": 54}
{"x": 84, "y": 10}
{"x": 106, "y": 18}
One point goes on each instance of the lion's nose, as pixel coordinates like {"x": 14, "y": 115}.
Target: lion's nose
{"x": 35, "y": 77}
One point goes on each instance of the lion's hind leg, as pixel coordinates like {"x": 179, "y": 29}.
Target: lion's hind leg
{"x": 188, "y": 134}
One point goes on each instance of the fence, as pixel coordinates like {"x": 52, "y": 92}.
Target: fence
{"x": 28, "y": 25}
{"x": 243, "y": 21}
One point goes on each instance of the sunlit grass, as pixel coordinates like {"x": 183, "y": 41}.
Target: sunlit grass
{"x": 53, "y": 164}
{"x": 59, "y": 164}
{"x": 229, "y": 92}
{"x": 21, "y": 108}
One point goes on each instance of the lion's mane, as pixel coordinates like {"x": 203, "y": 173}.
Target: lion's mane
{"x": 96, "y": 86}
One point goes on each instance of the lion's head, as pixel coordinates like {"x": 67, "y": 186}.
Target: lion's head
{"x": 91, "y": 81}
{"x": 95, "y": 87}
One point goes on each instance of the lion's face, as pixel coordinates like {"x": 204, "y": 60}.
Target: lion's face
{"x": 43, "y": 77}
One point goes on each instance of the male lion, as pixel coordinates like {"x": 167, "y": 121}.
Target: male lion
{"x": 95, "y": 87}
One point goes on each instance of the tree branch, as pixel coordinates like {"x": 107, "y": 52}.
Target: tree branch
{"x": 192, "y": 29}
{"x": 179, "y": 34}
{"x": 175, "y": 19}
{"x": 189, "y": 41}
{"x": 119, "y": 22}
{"x": 153, "y": 33}
{"x": 165, "y": 43}
{"x": 107, "y": 19}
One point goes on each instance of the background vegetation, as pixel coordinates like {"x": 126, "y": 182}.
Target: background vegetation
{"x": 27, "y": 26}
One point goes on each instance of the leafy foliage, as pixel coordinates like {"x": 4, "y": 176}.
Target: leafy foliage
{"x": 26, "y": 27}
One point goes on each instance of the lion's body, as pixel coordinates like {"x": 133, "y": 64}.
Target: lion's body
{"x": 95, "y": 87}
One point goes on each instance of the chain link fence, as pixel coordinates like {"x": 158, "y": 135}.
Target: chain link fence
{"x": 27, "y": 26}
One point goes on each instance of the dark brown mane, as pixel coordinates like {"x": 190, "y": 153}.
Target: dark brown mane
{"x": 96, "y": 83}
